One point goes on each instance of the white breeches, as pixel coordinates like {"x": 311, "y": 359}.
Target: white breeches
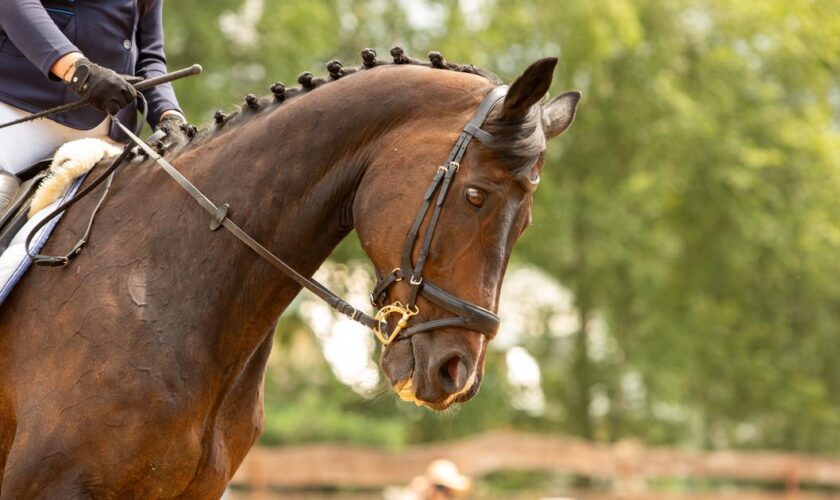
{"x": 21, "y": 146}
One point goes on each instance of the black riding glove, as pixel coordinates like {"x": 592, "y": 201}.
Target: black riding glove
{"x": 177, "y": 132}
{"x": 171, "y": 123}
{"x": 103, "y": 88}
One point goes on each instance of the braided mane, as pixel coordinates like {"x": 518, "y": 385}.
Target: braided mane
{"x": 307, "y": 82}
{"x": 522, "y": 140}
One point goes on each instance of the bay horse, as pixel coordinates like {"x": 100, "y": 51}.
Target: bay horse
{"x": 137, "y": 371}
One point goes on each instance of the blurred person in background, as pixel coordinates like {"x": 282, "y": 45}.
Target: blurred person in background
{"x": 54, "y": 52}
{"x": 442, "y": 481}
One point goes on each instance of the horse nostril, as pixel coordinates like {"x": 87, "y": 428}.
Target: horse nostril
{"x": 453, "y": 374}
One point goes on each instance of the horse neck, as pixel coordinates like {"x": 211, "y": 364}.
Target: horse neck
{"x": 291, "y": 174}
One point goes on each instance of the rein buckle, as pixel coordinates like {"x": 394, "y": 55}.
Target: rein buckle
{"x": 395, "y": 308}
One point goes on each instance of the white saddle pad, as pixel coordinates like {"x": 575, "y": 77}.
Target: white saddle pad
{"x": 69, "y": 168}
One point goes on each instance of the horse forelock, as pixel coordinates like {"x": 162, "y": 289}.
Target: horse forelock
{"x": 519, "y": 142}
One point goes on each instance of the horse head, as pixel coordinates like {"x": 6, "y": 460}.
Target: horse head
{"x": 441, "y": 268}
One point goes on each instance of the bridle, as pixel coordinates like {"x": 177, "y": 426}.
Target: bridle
{"x": 466, "y": 314}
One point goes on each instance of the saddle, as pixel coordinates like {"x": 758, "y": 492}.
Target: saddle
{"x": 48, "y": 180}
{"x": 16, "y": 215}
{"x": 47, "y": 190}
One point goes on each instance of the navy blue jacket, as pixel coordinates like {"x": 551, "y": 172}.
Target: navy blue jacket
{"x": 124, "y": 35}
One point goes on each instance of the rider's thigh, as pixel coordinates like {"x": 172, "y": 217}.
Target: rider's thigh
{"x": 23, "y": 145}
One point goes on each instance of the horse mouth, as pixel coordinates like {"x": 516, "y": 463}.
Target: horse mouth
{"x": 406, "y": 392}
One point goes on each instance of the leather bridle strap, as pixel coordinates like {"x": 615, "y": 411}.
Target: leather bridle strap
{"x": 220, "y": 219}
{"x": 443, "y": 179}
{"x": 467, "y": 315}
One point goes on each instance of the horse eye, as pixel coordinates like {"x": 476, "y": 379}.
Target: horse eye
{"x": 475, "y": 196}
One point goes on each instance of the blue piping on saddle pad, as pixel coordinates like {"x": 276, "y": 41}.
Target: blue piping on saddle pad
{"x": 13, "y": 262}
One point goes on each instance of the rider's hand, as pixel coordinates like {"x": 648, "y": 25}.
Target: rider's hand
{"x": 171, "y": 121}
{"x": 103, "y": 88}
{"x": 175, "y": 126}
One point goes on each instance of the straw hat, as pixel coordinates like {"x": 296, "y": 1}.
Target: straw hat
{"x": 445, "y": 473}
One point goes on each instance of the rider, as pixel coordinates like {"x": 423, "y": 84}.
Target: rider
{"x": 57, "y": 51}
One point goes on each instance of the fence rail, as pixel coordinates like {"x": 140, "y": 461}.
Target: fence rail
{"x": 626, "y": 463}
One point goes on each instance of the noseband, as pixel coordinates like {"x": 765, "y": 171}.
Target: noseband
{"x": 467, "y": 315}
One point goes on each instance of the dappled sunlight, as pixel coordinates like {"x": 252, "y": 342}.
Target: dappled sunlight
{"x": 524, "y": 377}
{"x": 347, "y": 346}
{"x": 240, "y": 27}
{"x": 530, "y": 298}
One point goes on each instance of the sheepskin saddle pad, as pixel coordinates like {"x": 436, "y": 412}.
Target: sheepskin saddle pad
{"x": 57, "y": 184}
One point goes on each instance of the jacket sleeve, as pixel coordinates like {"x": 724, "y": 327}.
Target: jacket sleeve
{"x": 151, "y": 62}
{"x": 34, "y": 33}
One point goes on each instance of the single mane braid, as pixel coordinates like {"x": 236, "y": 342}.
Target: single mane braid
{"x": 252, "y": 101}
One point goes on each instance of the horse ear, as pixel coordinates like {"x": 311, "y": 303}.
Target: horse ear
{"x": 529, "y": 88}
{"x": 558, "y": 114}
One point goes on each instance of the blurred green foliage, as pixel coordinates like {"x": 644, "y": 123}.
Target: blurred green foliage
{"x": 693, "y": 205}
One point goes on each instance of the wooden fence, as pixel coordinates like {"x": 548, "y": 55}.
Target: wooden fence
{"x": 627, "y": 465}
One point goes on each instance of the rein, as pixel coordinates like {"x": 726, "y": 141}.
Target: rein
{"x": 467, "y": 315}
{"x": 219, "y": 219}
